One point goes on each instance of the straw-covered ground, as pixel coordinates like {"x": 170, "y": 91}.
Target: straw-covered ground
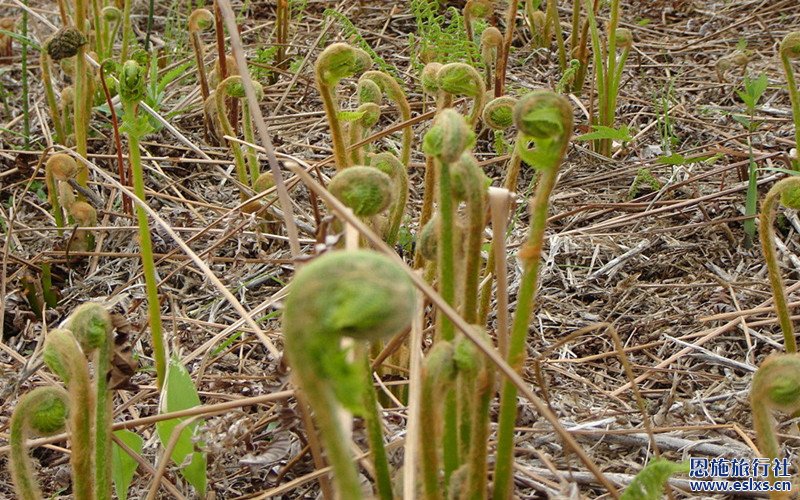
{"x": 662, "y": 261}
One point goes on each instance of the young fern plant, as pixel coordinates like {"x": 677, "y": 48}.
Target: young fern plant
{"x": 92, "y": 328}
{"x": 608, "y": 68}
{"x": 474, "y": 10}
{"x": 445, "y": 142}
{"x": 85, "y": 406}
{"x": 58, "y": 170}
{"x": 365, "y": 190}
{"x": 64, "y": 43}
{"x": 544, "y": 118}
{"x": 112, "y": 21}
{"x": 787, "y": 193}
{"x": 396, "y": 170}
{"x": 429, "y": 79}
{"x": 491, "y": 45}
{"x": 358, "y": 123}
{"x": 85, "y": 216}
{"x": 200, "y": 20}
{"x": 63, "y": 355}
{"x": 131, "y": 91}
{"x": 776, "y": 387}
{"x": 537, "y": 19}
{"x": 249, "y": 170}
{"x": 336, "y": 62}
{"x": 360, "y": 295}
{"x": 790, "y": 51}
{"x": 462, "y": 79}
{"x": 448, "y": 138}
{"x": 42, "y": 412}
{"x": 395, "y": 93}
{"x": 499, "y": 116}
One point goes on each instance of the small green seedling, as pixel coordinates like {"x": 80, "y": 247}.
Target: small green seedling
{"x": 753, "y": 90}
{"x": 649, "y": 482}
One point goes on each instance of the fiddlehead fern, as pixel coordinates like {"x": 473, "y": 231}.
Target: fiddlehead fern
{"x": 58, "y": 170}
{"x": 85, "y": 216}
{"x": 491, "y": 45}
{"x": 429, "y": 79}
{"x": 545, "y": 118}
{"x": 394, "y": 168}
{"x": 776, "y": 387}
{"x": 336, "y": 62}
{"x": 463, "y": 79}
{"x": 231, "y": 87}
{"x": 42, "y": 411}
{"x": 498, "y": 114}
{"x": 789, "y": 51}
{"x": 737, "y": 59}
{"x": 63, "y": 355}
{"x": 92, "y": 326}
{"x": 447, "y": 139}
{"x": 200, "y": 20}
{"x": 358, "y": 294}
{"x": 538, "y": 21}
{"x": 358, "y": 124}
{"x": 365, "y": 190}
{"x": 475, "y": 9}
{"x": 131, "y": 91}
{"x": 438, "y": 376}
{"x": 397, "y": 95}
{"x": 471, "y": 185}
{"x": 113, "y": 16}
{"x": 786, "y": 192}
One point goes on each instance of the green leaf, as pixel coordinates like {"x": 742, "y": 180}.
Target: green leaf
{"x": 38, "y": 188}
{"x": 621, "y": 134}
{"x": 123, "y": 466}
{"x": 178, "y": 394}
{"x": 742, "y": 120}
{"x": 679, "y": 159}
{"x": 227, "y": 343}
{"x": 350, "y": 116}
{"x": 136, "y": 127}
{"x": 754, "y": 88}
{"x": 172, "y": 75}
{"x": 649, "y": 482}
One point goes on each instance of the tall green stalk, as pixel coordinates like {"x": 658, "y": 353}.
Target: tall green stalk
{"x": 131, "y": 91}
{"x": 546, "y": 119}
{"x": 446, "y": 141}
{"x": 82, "y": 95}
{"x": 786, "y": 192}
{"x": 26, "y": 118}
{"x": 790, "y": 50}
